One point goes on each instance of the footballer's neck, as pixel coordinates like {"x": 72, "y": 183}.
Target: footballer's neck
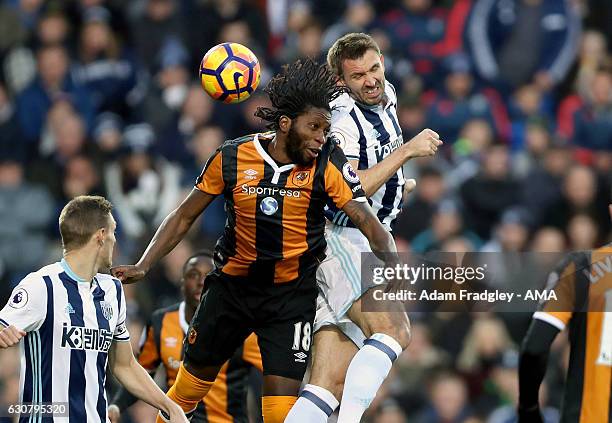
{"x": 83, "y": 263}
{"x": 277, "y": 148}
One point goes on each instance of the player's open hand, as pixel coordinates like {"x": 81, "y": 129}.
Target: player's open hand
{"x": 424, "y": 144}
{"x": 128, "y": 273}
{"x": 10, "y": 336}
{"x": 114, "y": 414}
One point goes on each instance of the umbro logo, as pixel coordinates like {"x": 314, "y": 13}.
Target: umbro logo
{"x": 250, "y": 174}
{"x": 300, "y": 357}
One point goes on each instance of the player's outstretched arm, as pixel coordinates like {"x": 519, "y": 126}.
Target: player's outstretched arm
{"x": 10, "y": 336}
{"x": 424, "y": 144}
{"x": 137, "y": 381}
{"x": 168, "y": 235}
{"x": 532, "y": 368}
{"x": 381, "y": 241}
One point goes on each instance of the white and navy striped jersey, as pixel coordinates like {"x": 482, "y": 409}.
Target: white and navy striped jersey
{"x": 70, "y": 325}
{"x": 369, "y": 134}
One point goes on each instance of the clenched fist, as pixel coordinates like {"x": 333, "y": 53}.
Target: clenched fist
{"x": 424, "y": 144}
{"x": 128, "y": 274}
{"x": 10, "y": 336}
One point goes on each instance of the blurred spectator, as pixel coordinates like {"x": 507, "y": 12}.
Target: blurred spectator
{"x": 389, "y": 412}
{"x": 415, "y": 368}
{"x": 168, "y": 88}
{"x": 411, "y": 116}
{"x": 357, "y": 16}
{"x": 512, "y": 233}
{"x": 501, "y": 401}
{"x": 459, "y": 101}
{"x": 143, "y": 189}
{"x": 545, "y": 180}
{"x": 537, "y": 141}
{"x": 548, "y": 240}
{"x": 159, "y": 23}
{"x": 26, "y": 211}
{"x": 416, "y": 214}
{"x": 53, "y": 82}
{"x": 81, "y": 178}
{"x": 591, "y": 58}
{"x": 64, "y": 139}
{"x": 209, "y": 18}
{"x": 53, "y": 29}
{"x": 413, "y": 29}
{"x": 105, "y": 68}
{"x": 521, "y": 41}
{"x": 487, "y": 194}
{"x": 196, "y": 110}
{"x": 593, "y": 121}
{"x": 447, "y": 223}
{"x": 527, "y": 106}
{"x": 11, "y": 139}
{"x": 579, "y": 195}
{"x": 449, "y": 400}
{"x": 485, "y": 341}
{"x": 583, "y": 232}
{"x": 476, "y": 136}
{"x": 107, "y": 132}
{"x": 306, "y": 44}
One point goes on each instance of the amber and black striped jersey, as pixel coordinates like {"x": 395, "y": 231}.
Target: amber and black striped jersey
{"x": 162, "y": 343}
{"x": 582, "y": 284}
{"x": 275, "y": 223}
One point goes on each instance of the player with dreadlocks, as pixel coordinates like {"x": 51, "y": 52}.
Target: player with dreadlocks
{"x": 275, "y": 187}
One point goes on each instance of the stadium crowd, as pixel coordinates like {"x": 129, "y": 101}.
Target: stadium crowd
{"x": 101, "y": 97}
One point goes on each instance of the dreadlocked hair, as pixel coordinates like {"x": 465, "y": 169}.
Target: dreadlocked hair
{"x": 300, "y": 85}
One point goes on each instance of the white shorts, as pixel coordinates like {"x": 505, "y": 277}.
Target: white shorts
{"x": 339, "y": 280}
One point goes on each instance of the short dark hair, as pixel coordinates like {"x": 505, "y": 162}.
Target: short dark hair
{"x": 198, "y": 254}
{"x": 300, "y": 85}
{"x": 351, "y": 46}
{"x": 81, "y": 218}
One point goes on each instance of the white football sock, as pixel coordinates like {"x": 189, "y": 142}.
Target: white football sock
{"x": 366, "y": 372}
{"x": 314, "y": 405}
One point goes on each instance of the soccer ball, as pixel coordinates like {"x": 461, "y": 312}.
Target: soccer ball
{"x": 229, "y": 72}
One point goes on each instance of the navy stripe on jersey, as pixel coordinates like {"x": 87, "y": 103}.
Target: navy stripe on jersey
{"x": 77, "y": 382}
{"x": 396, "y": 126}
{"x": 392, "y": 184}
{"x": 332, "y": 212}
{"x": 363, "y": 143}
{"x": 98, "y": 298}
{"x": 28, "y": 382}
{"x": 46, "y": 341}
{"x": 119, "y": 291}
{"x": 4, "y": 323}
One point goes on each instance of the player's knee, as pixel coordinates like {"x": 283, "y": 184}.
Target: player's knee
{"x": 396, "y": 328}
{"x": 201, "y": 370}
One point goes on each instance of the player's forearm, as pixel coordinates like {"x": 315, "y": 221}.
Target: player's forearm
{"x": 168, "y": 235}
{"x": 135, "y": 379}
{"x": 123, "y": 399}
{"x": 376, "y": 176}
{"x": 381, "y": 241}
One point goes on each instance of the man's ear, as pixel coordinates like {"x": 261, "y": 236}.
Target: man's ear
{"x": 284, "y": 124}
{"x": 100, "y": 236}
